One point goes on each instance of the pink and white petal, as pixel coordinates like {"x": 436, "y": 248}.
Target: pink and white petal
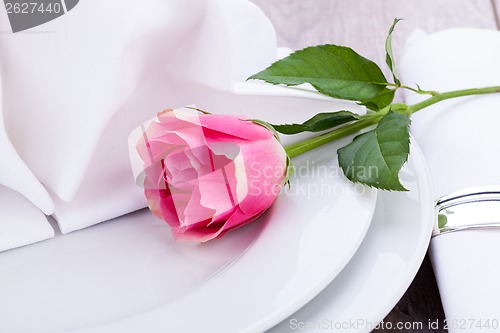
{"x": 222, "y": 218}
{"x": 179, "y": 169}
{"x": 154, "y": 177}
{"x": 168, "y": 139}
{"x": 201, "y": 160}
{"x": 168, "y": 211}
{"x": 161, "y": 205}
{"x": 194, "y": 211}
{"x": 188, "y": 115}
{"x": 178, "y": 118}
{"x": 218, "y": 127}
{"x": 156, "y": 149}
{"x": 159, "y": 127}
{"x": 238, "y": 219}
{"x": 241, "y": 178}
{"x": 199, "y": 234}
{"x": 218, "y": 191}
{"x": 266, "y": 168}
{"x": 254, "y": 204}
{"x": 192, "y": 136}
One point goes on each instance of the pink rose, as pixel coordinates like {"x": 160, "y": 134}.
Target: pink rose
{"x": 207, "y": 174}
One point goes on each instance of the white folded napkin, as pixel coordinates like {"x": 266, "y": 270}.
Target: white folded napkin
{"x": 459, "y": 139}
{"x": 75, "y": 87}
{"x": 21, "y": 222}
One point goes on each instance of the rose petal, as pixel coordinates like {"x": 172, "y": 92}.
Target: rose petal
{"x": 199, "y": 234}
{"x": 178, "y": 119}
{"x": 265, "y": 163}
{"x": 238, "y": 219}
{"x": 224, "y": 127}
{"x": 194, "y": 211}
{"x": 218, "y": 190}
{"x": 218, "y": 172}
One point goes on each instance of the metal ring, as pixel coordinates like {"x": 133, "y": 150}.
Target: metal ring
{"x": 474, "y": 208}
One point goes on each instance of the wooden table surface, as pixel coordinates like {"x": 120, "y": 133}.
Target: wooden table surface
{"x": 363, "y": 25}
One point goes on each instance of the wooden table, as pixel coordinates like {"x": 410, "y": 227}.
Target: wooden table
{"x": 363, "y": 25}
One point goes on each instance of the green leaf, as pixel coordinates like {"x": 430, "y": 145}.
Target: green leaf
{"x": 333, "y": 70}
{"x": 375, "y": 158}
{"x": 380, "y": 101}
{"x": 389, "y": 58}
{"x": 442, "y": 221}
{"x": 320, "y": 122}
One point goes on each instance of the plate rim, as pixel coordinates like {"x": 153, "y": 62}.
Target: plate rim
{"x": 366, "y": 205}
{"x": 426, "y": 206}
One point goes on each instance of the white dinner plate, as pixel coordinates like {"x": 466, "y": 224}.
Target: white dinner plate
{"x": 128, "y": 275}
{"x": 380, "y": 272}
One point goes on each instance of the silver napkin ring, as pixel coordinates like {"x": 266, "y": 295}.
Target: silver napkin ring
{"x": 469, "y": 209}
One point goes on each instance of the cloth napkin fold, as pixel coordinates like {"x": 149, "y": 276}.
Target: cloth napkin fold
{"x": 23, "y": 200}
{"x": 459, "y": 139}
{"x": 75, "y": 87}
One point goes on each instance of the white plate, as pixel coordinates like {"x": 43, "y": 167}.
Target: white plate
{"x": 359, "y": 298}
{"x": 127, "y": 275}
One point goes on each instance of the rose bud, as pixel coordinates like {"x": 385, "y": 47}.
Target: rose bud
{"x": 207, "y": 174}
